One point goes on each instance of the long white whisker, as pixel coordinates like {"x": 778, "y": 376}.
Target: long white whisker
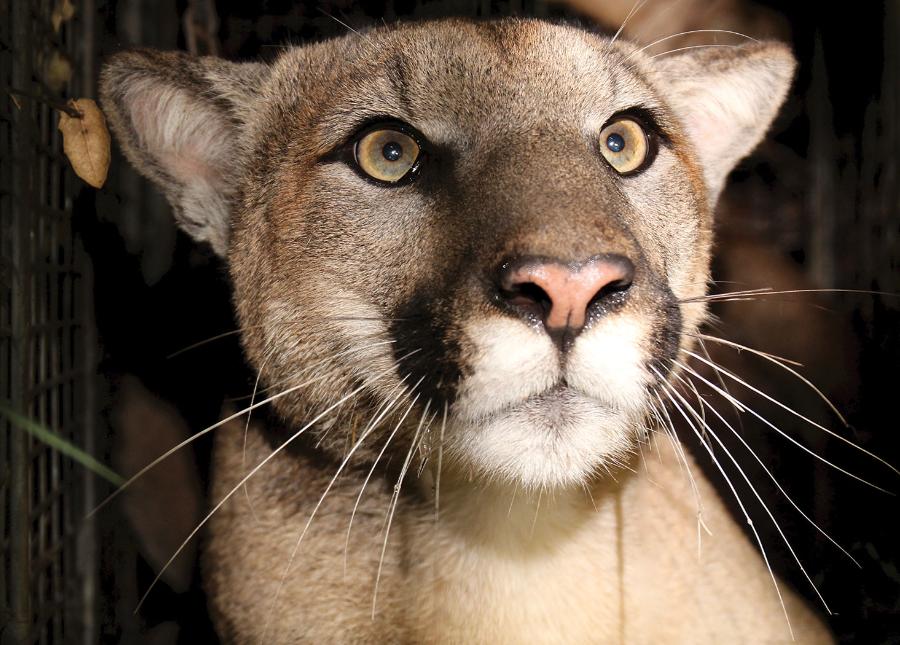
{"x": 768, "y": 291}
{"x": 679, "y": 450}
{"x": 253, "y": 472}
{"x": 775, "y": 481}
{"x": 688, "y": 33}
{"x": 537, "y": 510}
{"x": 209, "y": 429}
{"x": 780, "y": 363}
{"x": 775, "y": 357}
{"x": 440, "y": 463}
{"x": 363, "y": 436}
{"x": 788, "y": 437}
{"x": 737, "y": 408}
{"x": 832, "y": 433}
{"x": 758, "y": 497}
{"x": 639, "y": 35}
{"x": 396, "y": 497}
{"x": 340, "y": 22}
{"x": 262, "y": 366}
{"x": 378, "y": 457}
{"x": 634, "y": 9}
{"x": 681, "y": 49}
{"x": 730, "y": 294}
{"x": 731, "y": 487}
{"x": 211, "y": 339}
{"x": 425, "y": 449}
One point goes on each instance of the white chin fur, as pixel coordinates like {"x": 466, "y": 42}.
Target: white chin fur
{"x": 514, "y": 422}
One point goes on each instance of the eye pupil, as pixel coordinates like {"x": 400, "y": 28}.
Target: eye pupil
{"x": 615, "y": 142}
{"x": 392, "y": 151}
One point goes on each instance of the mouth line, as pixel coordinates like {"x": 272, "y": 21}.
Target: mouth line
{"x": 558, "y": 395}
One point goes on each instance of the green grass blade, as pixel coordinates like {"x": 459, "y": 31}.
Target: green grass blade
{"x": 61, "y": 445}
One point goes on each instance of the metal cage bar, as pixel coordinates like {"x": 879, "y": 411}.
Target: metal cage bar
{"x": 46, "y": 336}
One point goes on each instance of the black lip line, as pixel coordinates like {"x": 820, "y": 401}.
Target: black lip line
{"x": 553, "y": 389}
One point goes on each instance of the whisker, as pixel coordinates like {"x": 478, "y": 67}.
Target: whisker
{"x": 639, "y": 35}
{"x": 758, "y": 497}
{"x": 250, "y": 474}
{"x": 787, "y": 436}
{"x": 247, "y": 430}
{"x": 832, "y": 433}
{"x": 775, "y": 481}
{"x": 634, "y": 9}
{"x": 688, "y": 33}
{"x": 383, "y": 408}
{"x": 681, "y": 49}
{"x": 440, "y": 461}
{"x": 425, "y": 449}
{"x": 378, "y": 457}
{"x": 537, "y": 510}
{"x": 778, "y": 361}
{"x": 775, "y": 357}
{"x": 218, "y": 424}
{"x": 768, "y": 291}
{"x": 679, "y": 450}
{"x": 363, "y": 436}
{"x": 340, "y": 22}
{"x": 393, "y": 506}
{"x": 737, "y": 408}
{"x": 295, "y": 321}
{"x": 211, "y": 339}
{"x": 731, "y": 487}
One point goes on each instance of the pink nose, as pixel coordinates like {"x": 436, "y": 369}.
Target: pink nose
{"x": 562, "y": 295}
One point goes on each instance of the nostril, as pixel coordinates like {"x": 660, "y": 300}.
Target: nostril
{"x": 528, "y": 298}
{"x": 562, "y": 295}
{"x": 618, "y": 279}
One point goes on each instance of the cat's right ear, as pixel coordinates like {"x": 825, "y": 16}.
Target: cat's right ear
{"x": 179, "y": 120}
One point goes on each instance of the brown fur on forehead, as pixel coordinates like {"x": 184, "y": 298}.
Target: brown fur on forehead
{"x": 529, "y": 71}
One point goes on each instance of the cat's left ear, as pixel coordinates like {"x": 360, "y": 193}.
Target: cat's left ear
{"x": 726, "y": 99}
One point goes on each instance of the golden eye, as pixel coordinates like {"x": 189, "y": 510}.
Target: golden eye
{"x": 386, "y": 155}
{"x": 624, "y": 145}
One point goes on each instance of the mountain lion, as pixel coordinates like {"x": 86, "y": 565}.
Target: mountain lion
{"x": 469, "y": 261}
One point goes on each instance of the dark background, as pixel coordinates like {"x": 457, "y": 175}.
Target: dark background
{"x": 817, "y": 206}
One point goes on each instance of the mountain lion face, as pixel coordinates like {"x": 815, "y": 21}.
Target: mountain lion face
{"x": 504, "y": 221}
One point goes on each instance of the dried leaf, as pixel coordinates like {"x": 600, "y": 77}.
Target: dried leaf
{"x": 86, "y": 141}
{"x": 57, "y": 71}
{"x": 63, "y": 12}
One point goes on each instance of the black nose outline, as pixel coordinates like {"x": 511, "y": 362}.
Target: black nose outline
{"x": 563, "y": 296}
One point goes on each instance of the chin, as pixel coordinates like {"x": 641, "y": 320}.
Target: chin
{"x": 557, "y": 439}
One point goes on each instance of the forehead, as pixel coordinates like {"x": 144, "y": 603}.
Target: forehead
{"x": 454, "y": 78}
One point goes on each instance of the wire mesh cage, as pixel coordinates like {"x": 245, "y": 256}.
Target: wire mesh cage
{"x": 46, "y": 337}
{"x": 67, "y": 579}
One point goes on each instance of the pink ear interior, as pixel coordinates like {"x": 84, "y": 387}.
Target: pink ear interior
{"x": 186, "y": 138}
{"x": 727, "y": 102}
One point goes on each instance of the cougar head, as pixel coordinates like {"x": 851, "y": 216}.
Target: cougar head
{"x": 492, "y": 228}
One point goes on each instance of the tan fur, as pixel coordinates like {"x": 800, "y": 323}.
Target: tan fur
{"x": 618, "y": 564}
{"x": 367, "y": 298}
